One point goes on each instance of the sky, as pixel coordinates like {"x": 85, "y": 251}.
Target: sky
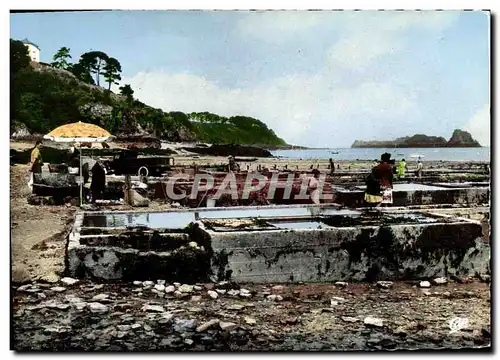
{"x": 317, "y": 78}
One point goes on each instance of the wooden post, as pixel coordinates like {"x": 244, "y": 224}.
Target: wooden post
{"x": 126, "y": 191}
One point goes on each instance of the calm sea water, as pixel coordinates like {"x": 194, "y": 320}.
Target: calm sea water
{"x": 429, "y": 154}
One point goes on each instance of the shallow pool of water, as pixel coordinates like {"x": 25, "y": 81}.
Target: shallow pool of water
{"x": 298, "y": 224}
{"x": 411, "y": 187}
{"x": 180, "y": 219}
{"x": 166, "y": 220}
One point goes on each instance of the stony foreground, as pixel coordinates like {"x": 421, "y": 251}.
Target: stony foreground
{"x": 154, "y": 316}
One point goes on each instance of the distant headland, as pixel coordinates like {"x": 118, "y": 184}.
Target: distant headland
{"x": 459, "y": 138}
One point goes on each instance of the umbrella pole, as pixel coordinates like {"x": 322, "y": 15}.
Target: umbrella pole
{"x": 81, "y": 177}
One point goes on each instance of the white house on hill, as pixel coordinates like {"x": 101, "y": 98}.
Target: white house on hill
{"x": 33, "y": 50}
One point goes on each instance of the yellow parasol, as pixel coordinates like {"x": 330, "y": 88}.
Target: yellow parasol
{"x": 79, "y": 132}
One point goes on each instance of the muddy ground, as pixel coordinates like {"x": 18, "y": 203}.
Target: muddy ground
{"x": 38, "y": 233}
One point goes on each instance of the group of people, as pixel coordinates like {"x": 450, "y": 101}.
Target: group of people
{"x": 379, "y": 183}
{"x": 402, "y": 168}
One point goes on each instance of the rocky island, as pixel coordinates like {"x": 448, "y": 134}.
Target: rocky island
{"x": 459, "y": 138}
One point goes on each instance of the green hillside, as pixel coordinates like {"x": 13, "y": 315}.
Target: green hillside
{"x": 45, "y": 96}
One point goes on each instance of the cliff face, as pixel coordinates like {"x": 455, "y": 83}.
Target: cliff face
{"x": 459, "y": 139}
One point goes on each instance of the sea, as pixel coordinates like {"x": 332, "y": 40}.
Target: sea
{"x": 409, "y": 154}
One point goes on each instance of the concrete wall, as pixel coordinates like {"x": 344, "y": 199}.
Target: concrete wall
{"x": 463, "y": 196}
{"x": 362, "y": 253}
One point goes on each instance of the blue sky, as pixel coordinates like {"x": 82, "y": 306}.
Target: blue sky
{"x": 316, "y": 78}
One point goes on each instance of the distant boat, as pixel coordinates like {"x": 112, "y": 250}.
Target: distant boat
{"x": 417, "y": 156}
{"x": 334, "y": 152}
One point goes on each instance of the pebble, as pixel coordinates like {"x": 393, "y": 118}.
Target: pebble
{"x": 186, "y": 288}
{"x": 424, "y": 284}
{"x": 384, "y": 284}
{"x": 233, "y": 292}
{"x": 337, "y": 298}
{"x": 177, "y": 284}
{"x": 155, "y": 308}
{"x": 160, "y": 287}
{"x": 197, "y": 288}
{"x": 33, "y": 290}
{"x": 58, "y": 288}
{"x": 341, "y": 284}
{"x": 278, "y": 287}
{"x": 137, "y": 283}
{"x": 123, "y": 327}
{"x": 135, "y": 326}
{"x": 69, "y": 281}
{"x": 80, "y": 305}
{"x": 207, "y": 325}
{"x": 213, "y": 294}
{"x": 182, "y": 325}
{"x": 249, "y": 320}
{"x": 373, "y": 321}
{"x": 227, "y": 326}
{"x": 147, "y": 327}
{"x": 41, "y": 295}
{"x": 292, "y": 320}
{"x": 148, "y": 283}
{"x": 169, "y": 289}
{"x": 161, "y": 282}
{"x": 236, "y": 307}
{"x": 274, "y": 297}
{"x": 221, "y": 291}
{"x": 24, "y": 287}
{"x": 196, "y": 298}
{"x": 56, "y": 329}
{"x": 440, "y": 281}
{"x": 245, "y": 293}
{"x": 100, "y": 297}
{"x": 96, "y": 307}
{"x": 193, "y": 244}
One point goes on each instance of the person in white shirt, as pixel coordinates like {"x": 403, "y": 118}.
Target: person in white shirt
{"x": 420, "y": 166}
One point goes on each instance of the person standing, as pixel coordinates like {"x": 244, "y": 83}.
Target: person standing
{"x": 401, "y": 169}
{"x": 332, "y": 166}
{"x": 379, "y": 182}
{"x": 313, "y": 187}
{"x": 36, "y": 163}
{"x": 98, "y": 183}
{"x": 420, "y": 167}
{"x": 233, "y": 166}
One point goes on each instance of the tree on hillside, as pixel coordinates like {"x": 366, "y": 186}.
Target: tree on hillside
{"x": 60, "y": 58}
{"x": 111, "y": 71}
{"x": 126, "y": 90}
{"x": 95, "y": 61}
{"x": 19, "y": 57}
{"x": 82, "y": 71}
